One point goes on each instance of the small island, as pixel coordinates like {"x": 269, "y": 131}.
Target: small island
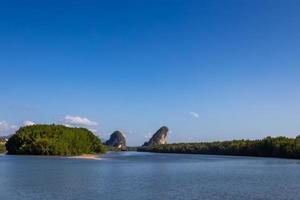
{"x": 55, "y": 140}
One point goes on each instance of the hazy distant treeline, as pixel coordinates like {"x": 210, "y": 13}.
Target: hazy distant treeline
{"x": 281, "y": 147}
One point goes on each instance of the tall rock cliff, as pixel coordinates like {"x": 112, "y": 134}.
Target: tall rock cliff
{"x": 160, "y": 137}
{"x": 117, "y": 140}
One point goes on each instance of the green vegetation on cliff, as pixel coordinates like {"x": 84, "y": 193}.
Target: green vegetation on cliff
{"x": 160, "y": 137}
{"x": 53, "y": 140}
{"x": 2, "y": 147}
{"x": 116, "y": 141}
{"x": 281, "y": 147}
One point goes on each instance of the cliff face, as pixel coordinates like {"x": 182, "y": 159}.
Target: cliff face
{"x": 160, "y": 137}
{"x": 117, "y": 140}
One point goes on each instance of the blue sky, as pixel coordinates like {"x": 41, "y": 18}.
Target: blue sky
{"x": 209, "y": 70}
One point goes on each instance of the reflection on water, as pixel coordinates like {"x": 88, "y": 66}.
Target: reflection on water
{"x": 132, "y": 175}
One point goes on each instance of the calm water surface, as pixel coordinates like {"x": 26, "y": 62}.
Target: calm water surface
{"x": 137, "y": 176}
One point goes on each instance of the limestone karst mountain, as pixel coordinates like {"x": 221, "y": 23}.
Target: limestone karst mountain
{"x": 160, "y": 137}
{"x": 117, "y": 140}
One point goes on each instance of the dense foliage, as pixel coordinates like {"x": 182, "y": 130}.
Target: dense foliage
{"x": 2, "y": 147}
{"x": 282, "y": 147}
{"x": 53, "y": 140}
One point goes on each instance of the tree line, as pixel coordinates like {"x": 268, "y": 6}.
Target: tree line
{"x": 2, "y": 147}
{"x": 53, "y": 140}
{"x": 281, "y": 147}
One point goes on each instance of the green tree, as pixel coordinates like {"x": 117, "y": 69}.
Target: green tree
{"x": 53, "y": 140}
{"x": 282, "y": 147}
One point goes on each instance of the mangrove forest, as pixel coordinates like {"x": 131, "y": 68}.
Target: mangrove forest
{"x": 53, "y": 140}
{"x": 281, "y": 147}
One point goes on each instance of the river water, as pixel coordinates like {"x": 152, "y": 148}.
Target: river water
{"x": 142, "y": 176}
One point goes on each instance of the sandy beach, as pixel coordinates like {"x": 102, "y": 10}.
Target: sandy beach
{"x": 87, "y": 156}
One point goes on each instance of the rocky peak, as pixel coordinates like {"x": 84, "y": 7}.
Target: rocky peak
{"x": 117, "y": 140}
{"x": 160, "y": 137}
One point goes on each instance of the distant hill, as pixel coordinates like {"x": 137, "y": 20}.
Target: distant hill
{"x": 53, "y": 140}
{"x": 4, "y": 138}
{"x": 117, "y": 140}
{"x": 160, "y": 137}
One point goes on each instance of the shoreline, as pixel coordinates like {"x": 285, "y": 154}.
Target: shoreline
{"x": 86, "y": 157}
{"x": 83, "y": 156}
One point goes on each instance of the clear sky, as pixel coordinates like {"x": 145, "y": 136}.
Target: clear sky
{"x": 208, "y": 69}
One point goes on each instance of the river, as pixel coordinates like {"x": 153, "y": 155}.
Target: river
{"x": 143, "y": 176}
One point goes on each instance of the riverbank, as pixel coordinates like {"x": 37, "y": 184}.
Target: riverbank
{"x": 279, "y": 147}
{"x": 83, "y": 156}
{"x": 87, "y": 157}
